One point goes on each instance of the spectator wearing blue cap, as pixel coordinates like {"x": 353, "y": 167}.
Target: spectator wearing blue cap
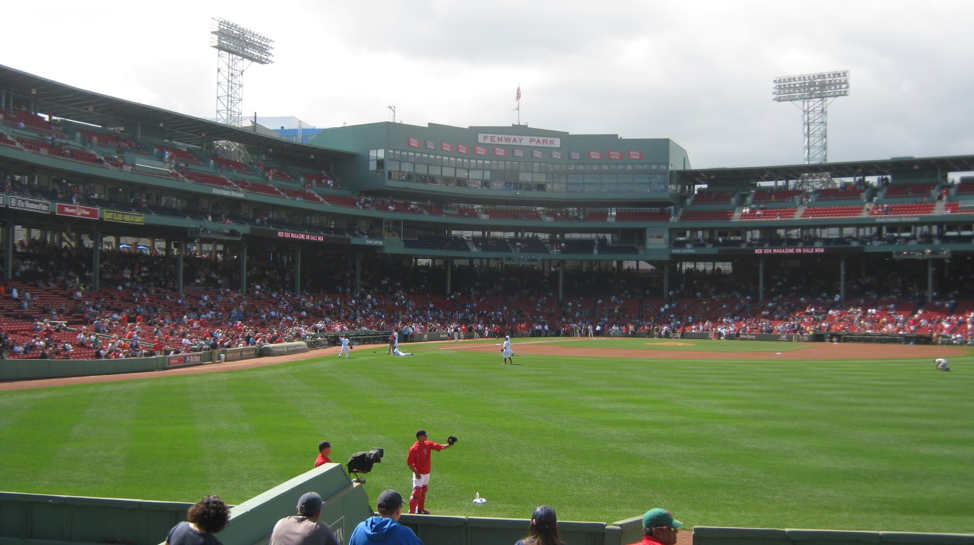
{"x": 543, "y": 529}
{"x": 304, "y": 528}
{"x": 385, "y": 528}
{"x": 659, "y": 528}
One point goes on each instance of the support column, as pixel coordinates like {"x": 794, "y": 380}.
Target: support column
{"x": 179, "y": 266}
{"x": 842, "y": 277}
{"x": 358, "y": 272}
{"x": 666, "y": 279}
{"x": 761, "y": 279}
{"x": 297, "y": 269}
{"x": 96, "y": 260}
{"x": 929, "y": 280}
{"x": 8, "y": 250}
{"x": 243, "y": 268}
{"x": 449, "y": 275}
{"x": 561, "y": 281}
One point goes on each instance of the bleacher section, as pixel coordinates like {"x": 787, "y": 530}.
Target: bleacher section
{"x": 910, "y": 190}
{"x": 766, "y": 196}
{"x": 812, "y": 212}
{"x": 915, "y": 209}
{"x": 769, "y": 214}
{"x": 629, "y": 214}
{"x": 712, "y": 197}
{"x": 838, "y": 194}
{"x": 706, "y": 215}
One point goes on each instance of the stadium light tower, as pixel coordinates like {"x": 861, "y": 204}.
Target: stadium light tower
{"x": 235, "y": 45}
{"x": 812, "y": 93}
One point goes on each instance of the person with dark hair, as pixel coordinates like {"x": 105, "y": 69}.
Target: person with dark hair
{"x": 543, "y": 529}
{"x": 659, "y": 528}
{"x": 324, "y": 451}
{"x": 385, "y": 527}
{"x": 304, "y": 528}
{"x": 205, "y": 518}
{"x": 419, "y": 461}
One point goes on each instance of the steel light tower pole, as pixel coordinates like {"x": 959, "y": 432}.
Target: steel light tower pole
{"x": 812, "y": 93}
{"x": 235, "y": 45}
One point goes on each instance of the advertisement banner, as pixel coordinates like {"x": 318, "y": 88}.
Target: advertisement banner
{"x": 83, "y": 212}
{"x": 123, "y": 217}
{"x": 195, "y": 358}
{"x": 28, "y": 205}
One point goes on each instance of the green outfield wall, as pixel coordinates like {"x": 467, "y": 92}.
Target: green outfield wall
{"x": 33, "y": 519}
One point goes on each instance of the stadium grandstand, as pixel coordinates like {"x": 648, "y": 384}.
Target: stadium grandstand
{"x": 125, "y": 233}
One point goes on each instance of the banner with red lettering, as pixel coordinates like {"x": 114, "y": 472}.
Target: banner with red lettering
{"x": 84, "y": 212}
{"x": 635, "y": 155}
{"x": 500, "y": 152}
{"x": 413, "y": 143}
{"x": 615, "y": 155}
{"x": 555, "y": 154}
{"x": 480, "y": 150}
{"x": 430, "y": 144}
{"x": 574, "y": 155}
{"x": 518, "y": 153}
{"x": 462, "y": 149}
{"x": 537, "y": 154}
{"x": 595, "y": 155}
{"x": 446, "y": 147}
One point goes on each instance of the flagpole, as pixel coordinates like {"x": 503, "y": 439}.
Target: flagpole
{"x": 518, "y": 99}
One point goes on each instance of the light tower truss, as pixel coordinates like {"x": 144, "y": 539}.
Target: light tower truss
{"x": 812, "y": 93}
{"x": 237, "y": 48}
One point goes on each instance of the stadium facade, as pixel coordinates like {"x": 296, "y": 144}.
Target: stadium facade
{"x": 85, "y": 170}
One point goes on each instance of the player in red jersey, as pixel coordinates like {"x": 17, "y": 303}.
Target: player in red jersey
{"x": 418, "y": 460}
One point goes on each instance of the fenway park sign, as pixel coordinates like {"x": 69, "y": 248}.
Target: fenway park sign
{"x": 75, "y": 211}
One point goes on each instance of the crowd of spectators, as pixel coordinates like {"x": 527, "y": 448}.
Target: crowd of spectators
{"x": 48, "y": 308}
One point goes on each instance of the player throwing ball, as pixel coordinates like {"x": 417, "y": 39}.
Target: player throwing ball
{"x": 506, "y": 350}
{"x": 419, "y": 462}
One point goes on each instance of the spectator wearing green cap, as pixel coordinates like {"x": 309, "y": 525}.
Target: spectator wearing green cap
{"x": 659, "y": 528}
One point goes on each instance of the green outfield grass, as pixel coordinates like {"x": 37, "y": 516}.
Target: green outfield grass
{"x": 784, "y": 444}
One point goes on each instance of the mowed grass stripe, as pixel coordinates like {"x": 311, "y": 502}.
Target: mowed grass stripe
{"x": 94, "y": 453}
{"x": 227, "y": 438}
{"x": 766, "y": 443}
{"x": 30, "y": 441}
{"x": 164, "y": 446}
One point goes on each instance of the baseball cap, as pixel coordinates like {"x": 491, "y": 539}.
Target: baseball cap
{"x": 421, "y": 432}
{"x": 657, "y": 517}
{"x": 310, "y": 503}
{"x": 323, "y": 444}
{"x": 544, "y": 515}
{"x": 389, "y": 500}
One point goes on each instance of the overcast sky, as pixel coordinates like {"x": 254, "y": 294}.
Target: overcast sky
{"x": 698, "y": 72}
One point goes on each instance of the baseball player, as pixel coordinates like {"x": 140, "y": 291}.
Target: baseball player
{"x": 419, "y": 462}
{"x": 346, "y": 346}
{"x": 506, "y": 350}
